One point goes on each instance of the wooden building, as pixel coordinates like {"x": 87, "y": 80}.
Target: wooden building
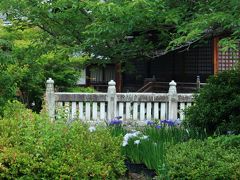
{"x": 183, "y": 66}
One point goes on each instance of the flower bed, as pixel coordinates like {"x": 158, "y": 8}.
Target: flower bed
{"x": 148, "y": 145}
{"x": 167, "y": 150}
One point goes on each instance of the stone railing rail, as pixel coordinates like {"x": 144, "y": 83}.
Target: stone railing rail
{"x": 134, "y": 107}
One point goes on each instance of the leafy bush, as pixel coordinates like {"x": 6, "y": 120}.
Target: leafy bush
{"x": 81, "y": 89}
{"x": 214, "y": 158}
{"x": 32, "y": 147}
{"x": 217, "y": 108}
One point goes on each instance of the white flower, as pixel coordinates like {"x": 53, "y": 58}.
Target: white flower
{"x": 125, "y": 143}
{"x": 144, "y": 137}
{"x": 129, "y": 136}
{"x": 92, "y": 128}
{"x": 137, "y": 142}
{"x": 136, "y": 133}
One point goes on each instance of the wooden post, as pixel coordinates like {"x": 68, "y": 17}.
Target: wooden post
{"x": 50, "y": 98}
{"x": 215, "y": 55}
{"x": 112, "y": 100}
{"x": 173, "y": 101}
{"x": 118, "y": 76}
{"x": 198, "y": 83}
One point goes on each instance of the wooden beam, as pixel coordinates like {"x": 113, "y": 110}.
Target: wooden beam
{"x": 88, "y": 76}
{"x": 215, "y": 54}
{"x": 118, "y": 77}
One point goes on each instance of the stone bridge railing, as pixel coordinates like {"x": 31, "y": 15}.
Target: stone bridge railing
{"x": 134, "y": 107}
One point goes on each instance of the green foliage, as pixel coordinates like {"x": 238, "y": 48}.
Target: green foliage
{"x": 153, "y": 146}
{"x": 32, "y": 147}
{"x": 216, "y": 108}
{"x": 213, "y": 158}
{"x": 206, "y": 18}
{"x": 27, "y": 60}
{"x": 81, "y": 89}
{"x": 147, "y": 152}
{"x": 117, "y": 130}
{"x": 11, "y": 73}
{"x": 126, "y": 29}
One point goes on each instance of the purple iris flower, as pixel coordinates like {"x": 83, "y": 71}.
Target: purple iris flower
{"x": 115, "y": 122}
{"x": 158, "y": 126}
{"x": 168, "y": 122}
{"x": 149, "y": 123}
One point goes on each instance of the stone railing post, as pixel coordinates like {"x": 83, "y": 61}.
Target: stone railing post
{"x": 173, "y": 101}
{"x": 198, "y": 83}
{"x": 50, "y": 98}
{"x": 112, "y": 100}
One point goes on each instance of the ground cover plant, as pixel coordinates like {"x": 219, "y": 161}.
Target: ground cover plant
{"x": 32, "y": 147}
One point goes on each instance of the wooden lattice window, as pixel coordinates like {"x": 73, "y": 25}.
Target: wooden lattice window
{"x": 198, "y": 60}
{"x": 227, "y": 59}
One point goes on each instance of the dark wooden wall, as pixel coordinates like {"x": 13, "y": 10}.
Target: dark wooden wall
{"x": 180, "y": 66}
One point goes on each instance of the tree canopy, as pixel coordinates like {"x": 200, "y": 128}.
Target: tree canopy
{"x": 120, "y": 30}
{"x": 27, "y": 60}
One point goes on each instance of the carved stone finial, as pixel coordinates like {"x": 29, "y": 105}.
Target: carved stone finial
{"x": 198, "y": 83}
{"x": 173, "y": 100}
{"x": 111, "y": 83}
{"x": 172, "y": 83}
{"x": 172, "y": 87}
{"x": 198, "y": 78}
{"x": 50, "y": 81}
{"x": 112, "y": 101}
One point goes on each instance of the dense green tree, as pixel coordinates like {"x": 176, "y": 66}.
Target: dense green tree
{"x": 117, "y": 30}
{"x": 11, "y": 72}
{"x": 27, "y": 60}
{"x": 120, "y": 30}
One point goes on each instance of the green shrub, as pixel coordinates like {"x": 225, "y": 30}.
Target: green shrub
{"x": 32, "y": 147}
{"x": 81, "y": 89}
{"x": 213, "y": 158}
{"x": 217, "y": 108}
